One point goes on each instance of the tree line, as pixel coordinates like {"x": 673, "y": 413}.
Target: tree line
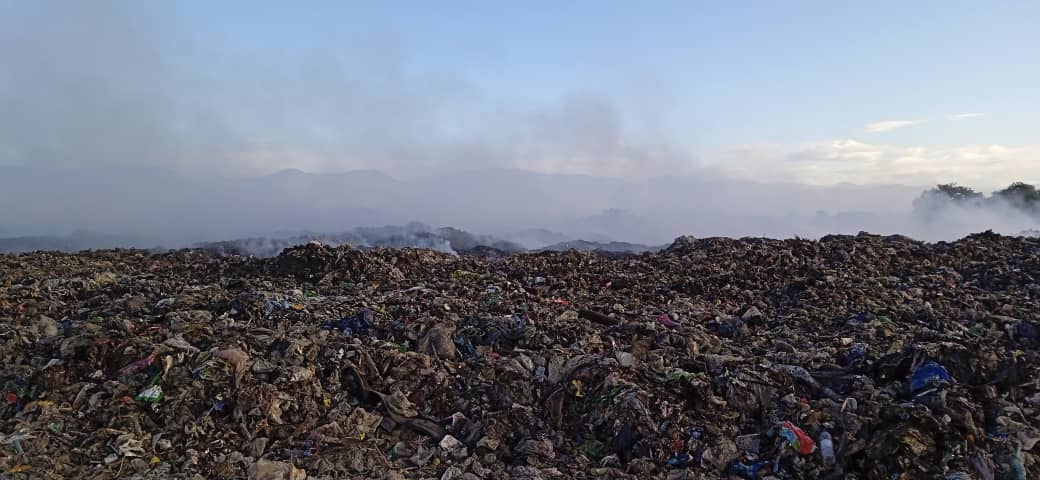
{"x": 1018, "y": 196}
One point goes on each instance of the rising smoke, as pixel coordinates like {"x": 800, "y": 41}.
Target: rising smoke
{"x": 123, "y": 84}
{"x": 117, "y": 119}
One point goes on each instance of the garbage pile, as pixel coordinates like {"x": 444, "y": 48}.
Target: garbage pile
{"x": 860, "y": 357}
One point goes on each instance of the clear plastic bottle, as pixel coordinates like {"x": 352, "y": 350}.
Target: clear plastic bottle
{"x": 827, "y": 448}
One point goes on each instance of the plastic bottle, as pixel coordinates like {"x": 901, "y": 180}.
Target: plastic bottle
{"x": 827, "y": 448}
{"x": 1018, "y": 468}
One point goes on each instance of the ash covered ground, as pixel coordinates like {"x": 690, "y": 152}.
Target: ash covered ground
{"x": 844, "y": 357}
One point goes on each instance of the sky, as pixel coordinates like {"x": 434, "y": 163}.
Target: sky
{"x": 822, "y": 93}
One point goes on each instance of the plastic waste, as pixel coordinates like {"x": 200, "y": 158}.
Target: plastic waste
{"x": 517, "y": 323}
{"x": 800, "y": 441}
{"x": 750, "y": 471}
{"x": 798, "y": 373}
{"x": 152, "y": 394}
{"x": 357, "y": 324}
{"x": 666, "y": 320}
{"x": 271, "y": 380}
{"x": 1026, "y": 329}
{"x": 933, "y": 398}
{"x": 137, "y": 366}
{"x": 680, "y": 459}
{"x": 749, "y": 443}
{"x": 826, "y": 448}
{"x": 927, "y": 375}
{"x": 856, "y": 353}
{"x": 465, "y": 346}
{"x": 1018, "y": 468}
{"x": 806, "y": 378}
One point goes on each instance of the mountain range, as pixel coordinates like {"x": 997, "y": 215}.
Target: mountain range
{"x": 155, "y": 207}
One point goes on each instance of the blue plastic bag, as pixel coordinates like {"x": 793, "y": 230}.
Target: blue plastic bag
{"x": 929, "y": 374}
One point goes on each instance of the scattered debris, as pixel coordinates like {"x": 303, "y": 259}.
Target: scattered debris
{"x": 711, "y": 357}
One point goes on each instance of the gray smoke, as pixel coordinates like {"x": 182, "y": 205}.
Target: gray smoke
{"x": 117, "y": 120}
{"x": 108, "y": 83}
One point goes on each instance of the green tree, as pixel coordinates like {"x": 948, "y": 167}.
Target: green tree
{"x": 935, "y": 200}
{"x": 958, "y": 193}
{"x": 1020, "y": 195}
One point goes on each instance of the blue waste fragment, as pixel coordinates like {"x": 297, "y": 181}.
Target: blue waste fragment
{"x": 679, "y": 459}
{"x": 354, "y": 325}
{"x": 465, "y": 346}
{"x": 856, "y": 352}
{"x": 929, "y": 374}
{"x": 748, "y": 471}
{"x": 1026, "y": 329}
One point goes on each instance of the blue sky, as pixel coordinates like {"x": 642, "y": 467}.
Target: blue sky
{"x": 723, "y": 72}
{"x": 823, "y": 92}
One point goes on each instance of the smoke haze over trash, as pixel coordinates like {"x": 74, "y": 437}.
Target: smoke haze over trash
{"x": 120, "y": 119}
{"x": 461, "y": 240}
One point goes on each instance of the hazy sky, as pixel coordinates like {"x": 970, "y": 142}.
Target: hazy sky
{"x": 817, "y": 92}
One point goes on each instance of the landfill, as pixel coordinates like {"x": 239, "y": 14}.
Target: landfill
{"x": 858, "y": 357}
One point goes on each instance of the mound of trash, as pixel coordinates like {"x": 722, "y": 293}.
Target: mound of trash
{"x": 855, "y": 357}
{"x": 412, "y": 235}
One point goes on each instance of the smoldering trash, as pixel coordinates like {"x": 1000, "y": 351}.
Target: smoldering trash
{"x": 845, "y": 357}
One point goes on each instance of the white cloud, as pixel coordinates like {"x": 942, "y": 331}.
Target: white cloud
{"x": 981, "y": 166}
{"x": 887, "y": 125}
{"x": 962, "y": 116}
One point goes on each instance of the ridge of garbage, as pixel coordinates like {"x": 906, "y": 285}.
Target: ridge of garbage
{"x": 844, "y": 357}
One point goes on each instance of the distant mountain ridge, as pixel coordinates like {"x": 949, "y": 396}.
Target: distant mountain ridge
{"x": 74, "y": 242}
{"x": 613, "y": 247}
{"x": 135, "y": 206}
{"x": 444, "y": 239}
{"x": 183, "y": 209}
{"x": 415, "y": 234}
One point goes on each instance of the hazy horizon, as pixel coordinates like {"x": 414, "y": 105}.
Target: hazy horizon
{"x": 191, "y": 121}
{"x": 175, "y": 210}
